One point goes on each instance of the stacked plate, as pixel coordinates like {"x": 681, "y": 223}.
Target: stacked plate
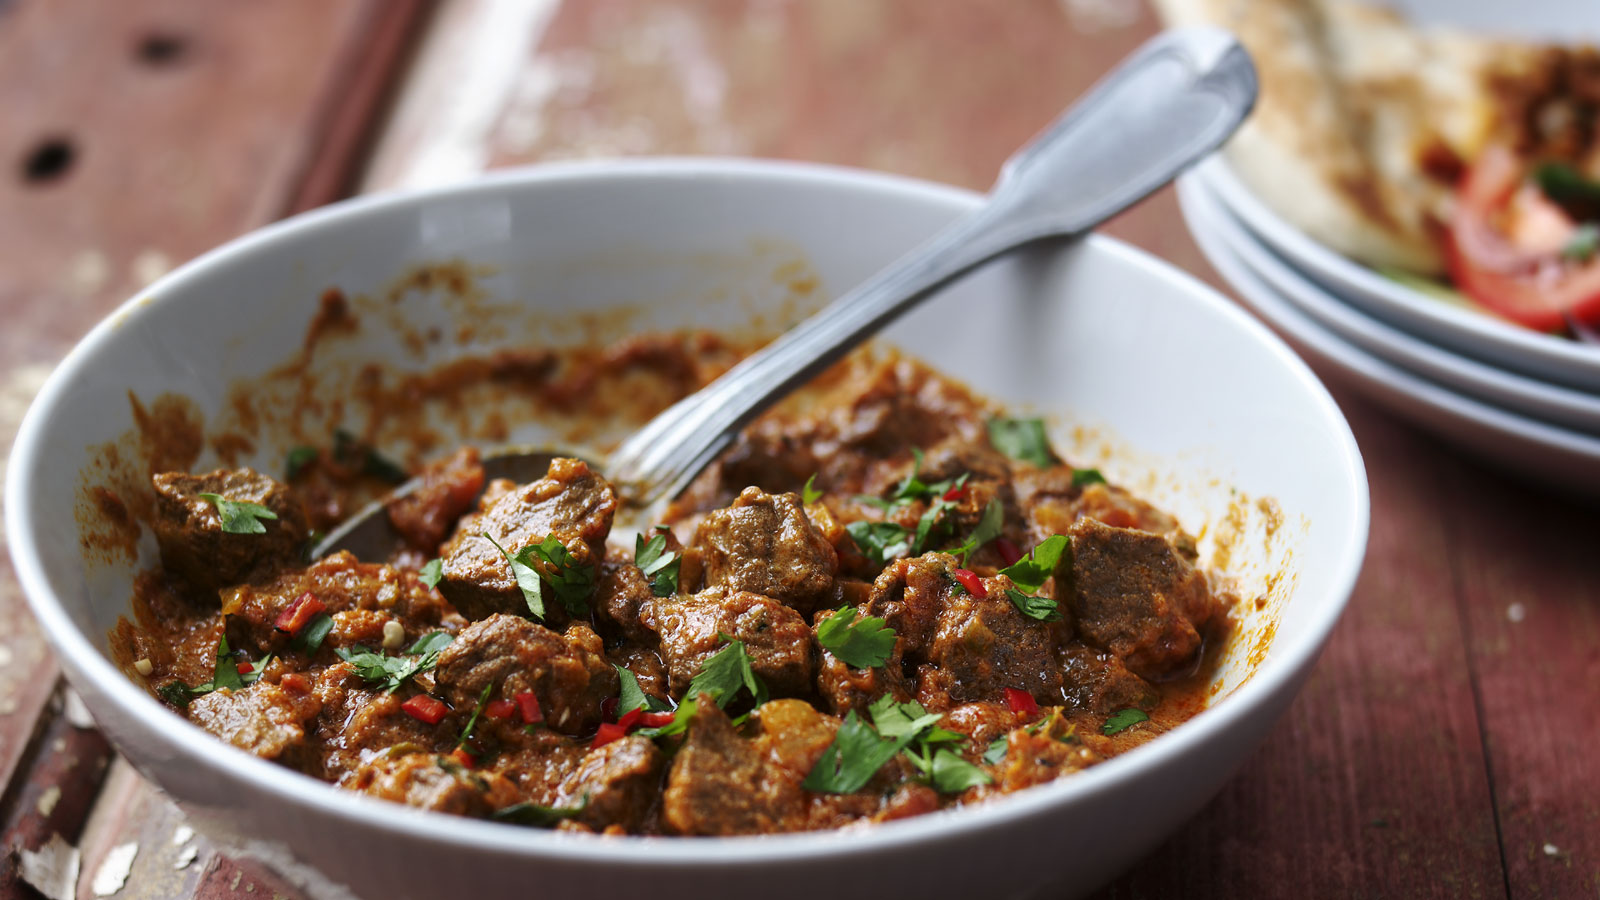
{"x": 1528, "y": 401}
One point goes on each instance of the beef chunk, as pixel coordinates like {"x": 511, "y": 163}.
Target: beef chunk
{"x": 1053, "y": 502}
{"x": 620, "y": 779}
{"x": 983, "y": 722}
{"x": 844, "y": 687}
{"x": 359, "y": 596}
{"x": 965, "y": 648}
{"x": 721, "y": 784}
{"x": 199, "y": 555}
{"x": 622, "y": 599}
{"x": 568, "y": 673}
{"x": 571, "y": 503}
{"x": 765, "y": 544}
{"x": 358, "y": 722}
{"x": 1134, "y": 595}
{"x": 777, "y": 639}
{"x": 1098, "y": 682}
{"x": 262, "y": 719}
{"x": 427, "y": 781}
{"x": 449, "y": 488}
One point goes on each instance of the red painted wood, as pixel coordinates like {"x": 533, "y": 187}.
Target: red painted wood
{"x": 53, "y": 795}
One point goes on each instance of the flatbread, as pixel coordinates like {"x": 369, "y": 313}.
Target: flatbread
{"x": 1365, "y": 122}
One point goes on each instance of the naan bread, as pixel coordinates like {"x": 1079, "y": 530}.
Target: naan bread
{"x": 1365, "y": 122}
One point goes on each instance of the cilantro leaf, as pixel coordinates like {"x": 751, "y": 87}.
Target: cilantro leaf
{"x": 987, "y": 529}
{"x": 1122, "y": 720}
{"x": 431, "y": 573}
{"x": 226, "y": 672}
{"x": 392, "y": 671}
{"x": 296, "y": 461}
{"x": 1084, "y": 477}
{"x": 659, "y": 566}
{"x": 881, "y": 542}
{"x": 240, "y": 517}
{"x": 926, "y": 525}
{"x": 809, "y": 494}
{"x": 996, "y": 751}
{"x": 483, "y": 701}
{"x": 720, "y": 677}
{"x": 1042, "y": 608}
{"x": 894, "y": 719}
{"x": 864, "y": 643}
{"x": 950, "y": 773}
{"x": 549, "y": 563}
{"x": 176, "y": 694}
{"x": 1022, "y": 439}
{"x": 856, "y": 754}
{"x": 310, "y": 638}
{"x": 633, "y": 697}
{"x": 532, "y": 815}
{"x": 1030, "y": 572}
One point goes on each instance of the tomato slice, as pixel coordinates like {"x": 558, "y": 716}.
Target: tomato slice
{"x": 1532, "y": 286}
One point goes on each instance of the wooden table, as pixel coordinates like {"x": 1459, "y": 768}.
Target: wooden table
{"x": 1448, "y": 744}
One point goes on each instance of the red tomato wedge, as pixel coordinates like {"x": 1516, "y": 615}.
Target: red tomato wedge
{"x": 1530, "y": 285}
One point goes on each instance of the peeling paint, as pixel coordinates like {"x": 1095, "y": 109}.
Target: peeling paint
{"x": 114, "y": 869}
{"x": 52, "y": 869}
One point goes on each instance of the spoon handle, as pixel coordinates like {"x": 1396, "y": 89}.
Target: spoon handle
{"x": 1176, "y": 99}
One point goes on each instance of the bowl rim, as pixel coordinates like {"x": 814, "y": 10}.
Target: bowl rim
{"x": 78, "y": 655}
{"x": 1476, "y": 334}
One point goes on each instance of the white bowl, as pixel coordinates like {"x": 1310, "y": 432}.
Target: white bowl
{"x": 1214, "y": 412}
{"x": 1472, "y": 334}
{"x": 1564, "y": 459}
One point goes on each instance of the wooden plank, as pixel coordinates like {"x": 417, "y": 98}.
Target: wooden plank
{"x": 1375, "y": 784}
{"x": 1529, "y": 573}
{"x": 52, "y": 798}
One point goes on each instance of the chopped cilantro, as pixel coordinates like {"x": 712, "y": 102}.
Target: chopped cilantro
{"x": 659, "y": 566}
{"x": 856, "y": 754}
{"x": 296, "y": 461}
{"x": 996, "y": 751}
{"x": 432, "y": 571}
{"x": 809, "y": 494}
{"x": 1086, "y": 477}
{"x": 176, "y": 694}
{"x": 864, "y": 643}
{"x": 881, "y": 542}
{"x": 483, "y": 701}
{"x": 988, "y": 528}
{"x": 894, "y": 719}
{"x": 720, "y": 677}
{"x": 240, "y": 517}
{"x": 1042, "y": 608}
{"x": 392, "y": 671}
{"x": 1123, "y": 719}
{"x": 226, "y": 672}
{"x": 633, "y": 697}
{"x": 1032, "y": 571}
{"x": 949, "y": 773}
{"x": 1022, "y": 439}
{"x": 310, "y": 638}
{"x": 570, "y": 581}
{"x": 1565, "y": 185}
{"x": 532, "y": 815}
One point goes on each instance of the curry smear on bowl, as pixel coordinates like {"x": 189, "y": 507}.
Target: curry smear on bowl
{"x": 885, "y": 598}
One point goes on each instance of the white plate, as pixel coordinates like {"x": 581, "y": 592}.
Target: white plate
{"x": 1543, "y": 452}
{"x": 1558, "y": 405}
{"x": 1472, "y": 334}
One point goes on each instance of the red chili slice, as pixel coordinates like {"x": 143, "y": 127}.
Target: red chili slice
{"x": 955, "y": 493}
{"x": 461, "y": 756}
{"x": 425, "y": 709}
{"x": 656, "y": 719}
{"x": 299, "y": 614}
{"x": 971, "y": 582}
{"x": 1021, "y": 702}
{"x": 609, "y": 731}
{"x": 1009, "y": 552}
{"x": 245, "y": 668}
{"x": 528, "y": 704}
{"x": 630, "y": 719}
{"x": 500, "y": 709}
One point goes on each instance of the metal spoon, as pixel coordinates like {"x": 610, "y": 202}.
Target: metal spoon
{"x": 1173, "y": 101}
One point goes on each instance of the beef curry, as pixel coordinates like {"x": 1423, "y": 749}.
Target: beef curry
{"x": 884, "y": 602}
